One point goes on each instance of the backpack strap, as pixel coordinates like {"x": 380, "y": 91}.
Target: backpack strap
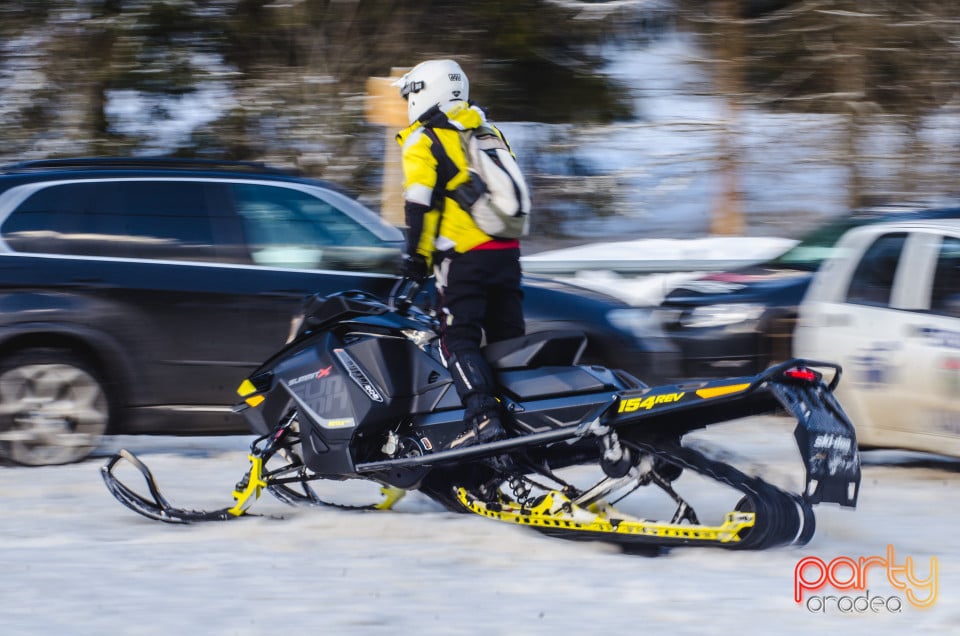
{"x": 446, "y": 169}
{"x": 467, "y": 193}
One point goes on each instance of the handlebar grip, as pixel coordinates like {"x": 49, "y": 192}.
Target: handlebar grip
{"x": 402, "y": 295}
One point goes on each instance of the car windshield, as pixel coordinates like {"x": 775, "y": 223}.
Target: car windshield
{"x": 816, "y": 246}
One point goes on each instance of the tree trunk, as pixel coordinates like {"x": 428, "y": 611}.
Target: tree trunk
{"x": 727, "y": 214}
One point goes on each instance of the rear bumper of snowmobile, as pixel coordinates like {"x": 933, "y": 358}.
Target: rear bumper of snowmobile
{"x": 825, "y": 436}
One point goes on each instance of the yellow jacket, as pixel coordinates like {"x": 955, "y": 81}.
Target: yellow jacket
{"x": 457, "y": 230}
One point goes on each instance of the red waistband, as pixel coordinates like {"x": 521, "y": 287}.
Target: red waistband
{"x": 498, "y": 244}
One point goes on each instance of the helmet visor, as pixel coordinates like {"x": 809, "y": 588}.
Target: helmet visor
{"x": 411, "y": 87}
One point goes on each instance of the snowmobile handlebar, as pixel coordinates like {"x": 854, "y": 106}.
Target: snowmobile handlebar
{"x": 403, "y": 294}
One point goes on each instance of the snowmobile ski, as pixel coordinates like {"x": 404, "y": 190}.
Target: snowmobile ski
{"x": 157, "y": 507}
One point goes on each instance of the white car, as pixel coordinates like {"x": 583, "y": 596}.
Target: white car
{"x": 887, "y": 309}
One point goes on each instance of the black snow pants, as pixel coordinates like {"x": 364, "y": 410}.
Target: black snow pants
{"x": 479, "y": 297}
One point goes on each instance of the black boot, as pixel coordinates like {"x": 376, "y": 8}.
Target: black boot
{"x": 482, "y": 422}
{"x": 474, "y": 382}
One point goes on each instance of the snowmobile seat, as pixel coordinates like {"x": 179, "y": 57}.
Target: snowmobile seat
{"x": 543, "y": 349}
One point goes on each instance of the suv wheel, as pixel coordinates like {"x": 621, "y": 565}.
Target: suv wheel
{"x": 53, "y": 407}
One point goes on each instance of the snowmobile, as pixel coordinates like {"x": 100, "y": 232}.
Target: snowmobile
{"x": 361, "y": 391}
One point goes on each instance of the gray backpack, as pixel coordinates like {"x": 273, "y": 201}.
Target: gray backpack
{"x": 496, "y": 195}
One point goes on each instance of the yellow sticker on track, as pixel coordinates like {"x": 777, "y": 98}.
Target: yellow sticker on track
{"x": 556, "y": 511}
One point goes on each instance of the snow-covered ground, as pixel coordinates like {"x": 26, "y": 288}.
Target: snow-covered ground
{"x": 77, "y": 562}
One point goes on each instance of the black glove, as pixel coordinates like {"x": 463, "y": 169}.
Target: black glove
{"x": 414, "y": 267}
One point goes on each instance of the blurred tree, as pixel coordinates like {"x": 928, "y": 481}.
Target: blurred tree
{"x": 860, "y": 60}
{"x": 727, "y": 214}
{"x": 302, "y": 71}
{"x": 285, "y": 80}
{"x": 297, "y": 69}
{"x": 77, "y": 53}
{"x": 531, "y": 58}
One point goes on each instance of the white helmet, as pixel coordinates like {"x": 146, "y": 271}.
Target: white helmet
{"x": 431, "y": 83}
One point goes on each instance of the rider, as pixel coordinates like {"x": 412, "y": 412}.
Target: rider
{"x": 477, "y": 275}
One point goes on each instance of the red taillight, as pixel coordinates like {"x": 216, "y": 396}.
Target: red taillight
{"x": 801, "y": 373}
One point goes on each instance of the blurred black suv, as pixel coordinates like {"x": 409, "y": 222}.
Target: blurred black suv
{"x": 742, "y": 321}
{"x": 136, "y": 294}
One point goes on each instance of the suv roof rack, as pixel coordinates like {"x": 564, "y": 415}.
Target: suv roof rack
{"x": 162, "y": 163}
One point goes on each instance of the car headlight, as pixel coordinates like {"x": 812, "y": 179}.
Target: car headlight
{"x": 637, "y": 321}
{"x": 721, "y": 315}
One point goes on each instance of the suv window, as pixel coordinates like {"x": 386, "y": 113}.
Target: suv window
{"x": 945, "y": 296}
{"x": 815, "y": 247}
{"x": 872, "y": 280}
{"x": 134, "y": 219}
{"x": 287, "y": 227}
{"x": 818, "y": 245}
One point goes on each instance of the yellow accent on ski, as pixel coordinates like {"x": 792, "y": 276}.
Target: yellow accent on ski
{"x": 716, "y": 391}
{"x": 248, "y": 392}
{"x": 556, "y": 511}
{"x": 251, "y": 491}
{"x": 391, "y": 496}
{"x": 255, "y": 400}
